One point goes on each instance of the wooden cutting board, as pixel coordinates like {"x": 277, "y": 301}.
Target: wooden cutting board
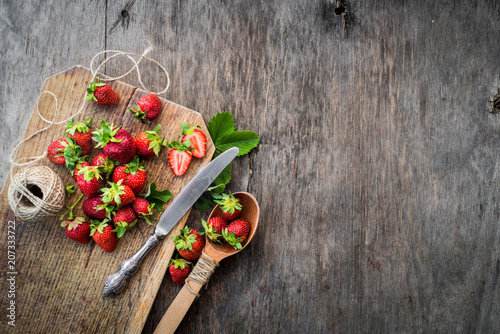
{"x": 59, "y": 282}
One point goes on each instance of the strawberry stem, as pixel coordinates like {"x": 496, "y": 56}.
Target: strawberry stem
{"x": 70, "y": 209}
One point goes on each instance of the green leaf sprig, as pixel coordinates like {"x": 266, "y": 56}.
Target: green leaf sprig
{"x": 223, "y": 133}
{"x": 157, "y": 197}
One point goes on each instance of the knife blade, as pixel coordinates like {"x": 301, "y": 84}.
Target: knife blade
{"x": 116, "y": 282}
{"x": 192, "y": 192}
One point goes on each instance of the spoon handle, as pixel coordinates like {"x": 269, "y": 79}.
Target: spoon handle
{"x": 179, "y": 307}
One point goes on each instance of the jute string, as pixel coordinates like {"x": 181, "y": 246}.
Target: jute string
{"x": 26, "y": 205}
{"x": 17, "y": 188}
{"x": 201, "y": 272}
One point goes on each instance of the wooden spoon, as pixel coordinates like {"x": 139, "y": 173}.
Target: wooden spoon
{"x": 181, "y": 304}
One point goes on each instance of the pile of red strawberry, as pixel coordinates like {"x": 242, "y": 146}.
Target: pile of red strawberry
{"x": 190, "y": 243}
{"x": 113, "y": 207}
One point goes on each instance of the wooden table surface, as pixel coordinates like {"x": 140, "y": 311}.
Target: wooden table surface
{"x": 378, "y": 169}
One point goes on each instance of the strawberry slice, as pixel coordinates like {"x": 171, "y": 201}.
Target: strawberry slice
{"x": 179, "y": 156}
{"x": 197, "y": 138}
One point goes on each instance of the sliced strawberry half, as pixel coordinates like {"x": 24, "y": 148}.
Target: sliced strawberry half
{"x": 179, "y": 156}
{"x": 197, "y": 139}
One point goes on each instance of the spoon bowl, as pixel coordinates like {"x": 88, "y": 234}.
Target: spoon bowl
{"x": 250, "y": 213}
{"x": 215, "y": 253}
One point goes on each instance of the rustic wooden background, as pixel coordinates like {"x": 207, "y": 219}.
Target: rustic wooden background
{"x": 378, "y": 172}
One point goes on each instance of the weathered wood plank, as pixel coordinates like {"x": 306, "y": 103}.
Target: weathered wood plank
{"x": 31, "y": 34}
{"x": 385, "y": 192}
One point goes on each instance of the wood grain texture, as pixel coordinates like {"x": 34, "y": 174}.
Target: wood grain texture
{"x": 385, "y": 193}
{"x": 60, "y": 283}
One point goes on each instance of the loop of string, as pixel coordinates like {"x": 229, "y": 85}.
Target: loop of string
{"x": 201, "y": 272}
{"x": 95, "y": 73}
{"x": 29, "y": 207}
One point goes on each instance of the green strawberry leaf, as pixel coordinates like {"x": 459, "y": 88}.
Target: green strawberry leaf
{"x": 80, "y": 127}
{"x": 174, "y": 144}
{"x": 210, "y": 231}
{"x": 225, "y": 176}
{"x": 204, "y": 202}
{"x": 185, "y": 127}
{"x": 155, "y": 141}
{"x": 221, "y": 129}
{"x": 138, "y": 114}
{"x": 179, "y": 263}
{"x": 70, "y": 189}
{"x": 229, "y": 204}
{"x": 147, "y": 219}
{"x": 120, "y": 229}
{"x": 71, "y": 152}
{"x": 105, "y": 134}
{"x": 221, "y": 124}
{"x": 157, "y": 197}
{"x": 90, "y": 172}
{"x": 231, "y": 239}
{"x": 218, "y": 189}
{"x": 133, "y": 166}
{"x": 244, "y": 140}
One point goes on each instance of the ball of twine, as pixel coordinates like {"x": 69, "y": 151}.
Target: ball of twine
{"x": 35, "y": 193}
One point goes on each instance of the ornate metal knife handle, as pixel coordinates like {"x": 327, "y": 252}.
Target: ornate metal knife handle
{"x": 117, "y": 281}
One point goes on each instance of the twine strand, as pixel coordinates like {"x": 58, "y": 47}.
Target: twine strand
{"x": 201, "y": 272}
{"x": 95, "y": 72}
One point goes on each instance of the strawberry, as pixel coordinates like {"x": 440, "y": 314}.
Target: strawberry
{"x": 102, "y": 94}
{"x": 81, "y": 133}
{"x": 117, "y": 194}
{"x": 124, "y": 219}
{"x": 236, "y": 233}
{"x": 119, "y": 173}
{"x": 179, "y": 157}
{"x": 149, "y": 143}
{"x": 79, "y": 165}
{"x": 54, "y": 151}
{"x": 77, "y": 229}
{"x": 107, "y": 164}
{"x": 189, "y": 243}
{"x": 143, "y": 208}
{"x": 64, "y": 151}
{"x": 214, "y": 227}
{"x": 179, "y": 270}
{"x": 230, "y": 206}
{"x": 148, "y": 107}
{"x": 94, "y": 207}
{"x": 197, "y": 139}
{"x": 132, "y": 174}
{"x": 104, "y": 236}
{"x": 89, "y": 180}
{"x": 116, "y": 143}
{"x": 136, "y": 181}
{"x": 100, "y": 160}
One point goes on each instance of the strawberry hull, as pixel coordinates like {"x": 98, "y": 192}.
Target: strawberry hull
{"x": 142, "y": 144}
{"x": 77, "y": 169}
{"x": 84, "y": 140}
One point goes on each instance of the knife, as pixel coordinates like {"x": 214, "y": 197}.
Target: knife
{"x": 179, "y": 206}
